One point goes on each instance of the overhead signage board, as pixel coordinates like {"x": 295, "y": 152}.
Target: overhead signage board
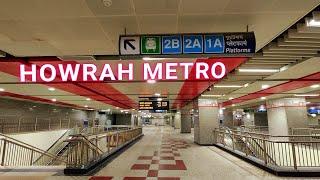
{"x": 150, "y": 45}
{"x": 153, "y": 105}
{"x": 172, "y": 44}
{"x": 182, "y": 44}
{"x": 130, "y": 45}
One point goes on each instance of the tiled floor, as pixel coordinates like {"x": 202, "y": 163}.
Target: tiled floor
{"x": 165, "y": 154}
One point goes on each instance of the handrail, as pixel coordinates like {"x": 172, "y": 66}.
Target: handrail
{"x": 272, "y": 150}
{"x": 23, "y": 143}
{"x": 47, "y": 154}
{"x": 83, "y": 150}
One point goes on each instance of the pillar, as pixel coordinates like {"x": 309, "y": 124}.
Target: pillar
{"x": 186, "y": 118}
{"x": 228, "y": 118}
{"x": 286, "y": 113}
{"x": 177, "y": 120}
{"x": 206, "y": 119}
{"x": 139, "y": 120}
{"x": 171, "y": 121}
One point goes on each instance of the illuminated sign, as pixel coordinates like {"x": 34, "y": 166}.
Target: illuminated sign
{"x": 92, "y": 72}
{"x": 182, "y": 44}
{"x": 154, "y": 105}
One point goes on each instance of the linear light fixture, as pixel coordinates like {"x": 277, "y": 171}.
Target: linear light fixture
{"x": 306, "y": 95}
{"x": 265, "y": 86}
{"x": 211, "y": 95}
{"x": 313, "y": 23}
{"x": 258, "y": 70}
{"x": 51, "y": 89}
{"x": 227, "y": 86}
{"x": 315, "y": 86}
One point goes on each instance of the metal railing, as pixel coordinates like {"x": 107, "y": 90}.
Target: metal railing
{"x": 83, "y": 150}
{"x": 252, "y": 128}
{"x": 16, "y": 153}
{"x": 272, "y": 151}
{"x": 17, "y": 124}
{"x": 58, "y": 147}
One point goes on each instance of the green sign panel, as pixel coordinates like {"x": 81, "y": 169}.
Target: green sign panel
{"x": 150, "y": 45}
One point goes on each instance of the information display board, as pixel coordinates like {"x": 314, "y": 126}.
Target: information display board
{"x": 153, "y": 105}
{"x": 175, "y": 44}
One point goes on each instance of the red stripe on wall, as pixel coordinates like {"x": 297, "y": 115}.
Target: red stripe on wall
{"x": 288, "y": 86}
{"x": 191, "y": 90}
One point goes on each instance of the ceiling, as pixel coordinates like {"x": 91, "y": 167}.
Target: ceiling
{"x": 79, "y": 27}
{"x": 87, "y": 27}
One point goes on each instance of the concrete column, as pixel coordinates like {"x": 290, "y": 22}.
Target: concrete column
{"x": 133, "y": 119}
{"x": 186, "y": 118}
{"x": 228, "y": 118}
{"x": 286, "y": 113}
{"x": 206, "y": 119}
{"x": 171, "y": 121}
{"x": 139, "y": 120}
{"x": 177, "y": 120}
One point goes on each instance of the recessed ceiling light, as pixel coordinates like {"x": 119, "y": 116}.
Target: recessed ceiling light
{"x": 1, "y": 89}
{"x": 315, "y": 86}
{"x": 308, "y": 102}
{"x": 133, "y": 109}
{"x": 151, "y": 81}
{"x": 53, "y": 100}
{"x": 263, "y": 98}
{"x": 259, "y": 70}
{"x": 117, "y": 107}
{"x": 227, "y": 86}
{"x": 265, "y": 86}
{"x": 305, "y": 95}
{"x": 223, "y": 108}
{"x": 159, "y": 99}
{"x": 85, "y": 106}
{"x": 246, "y": 85}
{"x": 230, "y": 98}
{"x": 157, "y": 94}
{"x": 88, "y": 99}
{"x": 51, "y": 89}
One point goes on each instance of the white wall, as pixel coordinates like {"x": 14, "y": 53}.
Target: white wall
{"x": 42, "y": 140}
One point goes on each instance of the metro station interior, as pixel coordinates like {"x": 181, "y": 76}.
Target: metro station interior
{"x": 159, "y": 89}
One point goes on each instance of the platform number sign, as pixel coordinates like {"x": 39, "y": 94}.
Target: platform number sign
{"x": 150, "y": 45}
{"x": 192, "y": 44}
{"x": 236, "y": 43}
{"x": 214, "y": 44}
{"x": 172, "y": 44}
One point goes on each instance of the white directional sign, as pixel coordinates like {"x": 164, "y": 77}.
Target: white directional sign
{"x": 130, "y": 45}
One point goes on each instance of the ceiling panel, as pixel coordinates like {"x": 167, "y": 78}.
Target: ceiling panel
{"x": 156, "y": 7}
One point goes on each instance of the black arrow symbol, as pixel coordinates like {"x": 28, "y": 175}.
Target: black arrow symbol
{"x": 128, "y": 42}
